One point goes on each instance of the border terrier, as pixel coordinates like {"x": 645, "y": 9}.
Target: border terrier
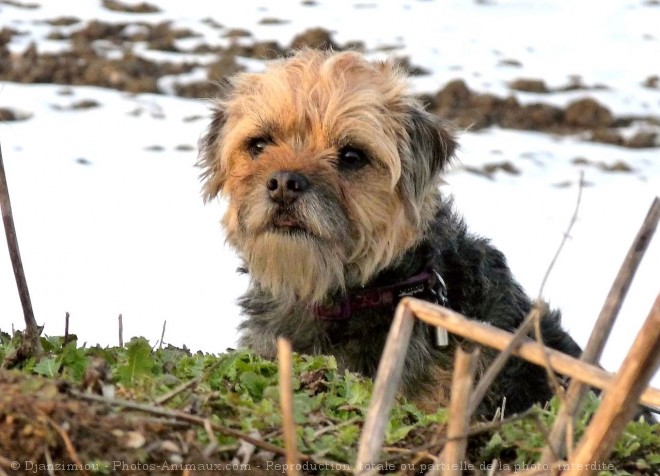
{"x": 331, "y": 171}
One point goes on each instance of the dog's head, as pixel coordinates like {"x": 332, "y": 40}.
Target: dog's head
{"x": 330, "y": 169}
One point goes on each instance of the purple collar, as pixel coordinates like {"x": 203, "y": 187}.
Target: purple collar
{"x": 428, "y": 282}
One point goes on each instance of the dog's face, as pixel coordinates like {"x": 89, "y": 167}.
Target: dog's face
{"x": 330, "y": 169}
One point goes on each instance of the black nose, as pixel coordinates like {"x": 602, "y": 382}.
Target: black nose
{"x": 286, "y": 187}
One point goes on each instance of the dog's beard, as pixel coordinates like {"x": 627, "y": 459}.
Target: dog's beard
{"x": 295, "y": 266}
{"x": 298, "y": 253}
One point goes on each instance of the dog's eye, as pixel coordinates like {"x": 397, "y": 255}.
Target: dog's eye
{"x": 352, "y": 158}
{"x": 257, "y": 145}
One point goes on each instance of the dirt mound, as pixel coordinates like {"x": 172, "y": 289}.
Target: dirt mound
{"x": 5, "y": 35}
{"x": 588, "y": 114}
{"x": 159, "y": 36}
{"x": 539, "y": 86}
{"x": 143, "y": 7}
{"x": 468, "y": 109}
{"x": 529, "y": 85}
{"x": 652, "y": 82}
{"x": 83, "y": 65}
{"x": 7, "y": 115}
{"x": 315, "y": 38}
{"x": 39, "y": 422}
{"x": 224, "y": 67}
{"x": 471, "y": 110}
{"x": 10, "y": 115}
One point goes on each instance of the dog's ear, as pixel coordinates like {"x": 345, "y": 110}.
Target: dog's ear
{"x": 427, "y": 151}
{"x": 213, "y": 172}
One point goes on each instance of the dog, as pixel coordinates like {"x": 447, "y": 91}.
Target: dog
{"x": 331, "y": 171}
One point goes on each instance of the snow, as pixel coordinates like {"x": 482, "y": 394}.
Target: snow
{"x": 127, "y": 232}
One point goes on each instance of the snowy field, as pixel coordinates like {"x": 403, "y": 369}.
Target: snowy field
{"x": 107, "y": 200}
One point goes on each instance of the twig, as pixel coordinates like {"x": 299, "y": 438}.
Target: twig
{"x": 49, "y": 462}
{"x": 533, "y": 316}
{"x": 465, "y": 365}
{"x": 542, "y": 429}
{"x": 599, "y": 335}
{"x": 5, "y": 462}
{"x": 385, "y": 387}
{"x": 186, "y": 385}
{"x": 121, "y": 330}
{"x": 567, "y": 235}
{"x": 619, "y": 402}
{"x": 32, "y": 329}
{"x": 286, "y": 404}
{"x": 176, "y": 391}
{"x": 192, "y": 419}
{"x": 500, "y": 360}
{"x": 557, "y": 389}
{"x": 69, "y": 446}
{"x": 213, "y": 441}
{"x": 66, "y": 329}
{"x": 328, "y": 428}
{"x": 168, "y": 422}
{"x": 162, "y": 335}
{"x": 529, "y": 350}
{"x": 423, "y": 456}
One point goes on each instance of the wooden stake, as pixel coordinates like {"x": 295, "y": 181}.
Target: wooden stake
{"x": 66, "y": 329}
{"x": 286, "y": 404}
{"x": 32, "y": 329}
{"x": 162, "y": 335}
{"x": 557, "y": 446}
{"x": 453, "y": 454}
{"x": 121, "y": 330}
{"x": 385, "y": 387}
{"x": 530, "y": 350}
{"x": 619, "y": 403}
